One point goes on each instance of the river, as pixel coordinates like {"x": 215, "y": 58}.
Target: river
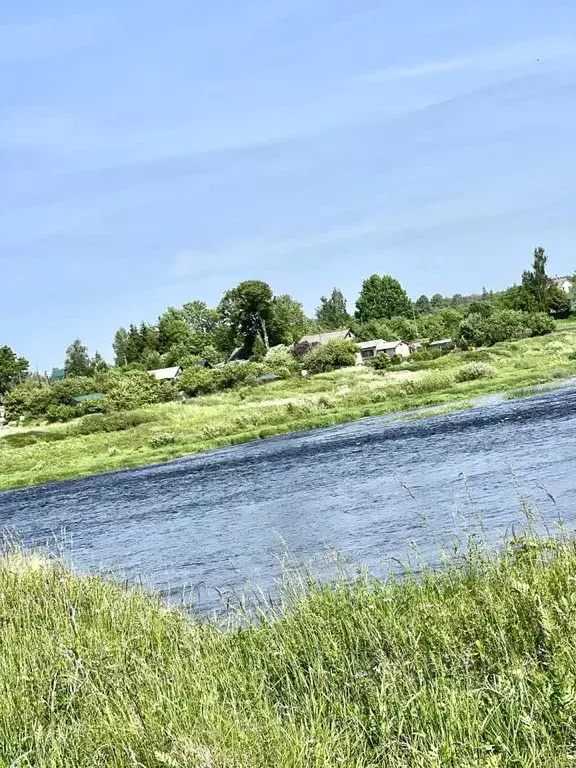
{"x": 371, "y": 490}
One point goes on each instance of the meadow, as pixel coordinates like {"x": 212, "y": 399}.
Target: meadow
{"x": 469, "y": 666}
{"x": 161, "y": 432}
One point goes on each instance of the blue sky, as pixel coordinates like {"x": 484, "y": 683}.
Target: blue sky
{"x": 153, "y": 153}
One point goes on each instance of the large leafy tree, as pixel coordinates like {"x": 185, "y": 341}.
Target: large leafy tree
{"x": 289, "y": 323}
{"x": 536, "y": 281}
{"x": 422, "y": 305}
{"x": 382, "y": 297}
{"x": 200, "y": 318}
{"x": 77, "y": 362}
{"x": 173, "y": 330}
{"x": 13, "y": 369}
{"x": 333, "y": 312}
{"x": 248, "y": 310}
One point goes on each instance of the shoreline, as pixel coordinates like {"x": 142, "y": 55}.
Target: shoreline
{"x": 437, "y": 405}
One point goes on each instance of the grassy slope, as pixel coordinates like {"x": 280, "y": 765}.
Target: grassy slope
{"x": 235, "y": 417}
{"x": 471, "y": 667}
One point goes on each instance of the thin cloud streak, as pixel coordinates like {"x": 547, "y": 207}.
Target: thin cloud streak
{"x": 528, "y": 52}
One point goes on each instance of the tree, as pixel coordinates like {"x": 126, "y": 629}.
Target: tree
{"x": 98, "y": 364}
{"x": 331, "y": 355}
{"x": 120, "y": 346}
{"x": 436, "y": 302}
{"x": 381, "y": 297}
{"x": 13, "y": 369}
{"x": 77, "y": 362}
{"x": 134, "y": 346}
{"x": 536, "y": 281}
{"x": 558, "y": 300}
{"x": 173, "y": 330}
{"x": 248, "y": 310}
{"x": 333, "y": 312}
{"x": 519, "y": 298}
{"x": 200, "y": 318}
{"x": 422, "y": 305}
{"x": 289, "y": 323}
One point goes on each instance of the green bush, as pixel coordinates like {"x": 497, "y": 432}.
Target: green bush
{"x": 426, "y": 353}
{"x": 61, "y": 412}
{"x": 431, "y": 382}
{"x": 160, "y": 439}
{"x": 503, "y": 325}
{"x": 380, "y": 363}
{"x": 397, "y": 360}
{"x": 129, "y": 389}
{"x": 473, "y": 371}
{"x": 330, "y": 356}
{"x": 280, "y": 359}
{"x": 540, "y": 323}
{"x": 29, "y": 399}
{"x": 202, "y": 381}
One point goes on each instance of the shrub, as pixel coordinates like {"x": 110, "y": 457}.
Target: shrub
{"x": 129, "y": 389}
{"x": 540, "y": 323}
{"x": 30, "y": 399}
{"x": 473, "y": 371}
{"x": 431, "y": 382}
{"x": 279, "y": 359}
{"x": 161, "y": 439}
{"x": 426, "y": 354}
{"x": 330, "y": 356}
{"x": 380, "y": 363}
{"x": 61, "y": 412}
{"x": 396, "y": 360}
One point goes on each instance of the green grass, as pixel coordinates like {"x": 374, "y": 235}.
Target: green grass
{"x": 471, "y": 666}
{"x": 60, "y": 451}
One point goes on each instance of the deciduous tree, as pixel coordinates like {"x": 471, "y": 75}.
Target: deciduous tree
{"x": 13, "y": 369}
{"x": 382, "y": 297}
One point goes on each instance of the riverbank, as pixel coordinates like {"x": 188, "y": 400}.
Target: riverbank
{"x": 173, "y": 430}
{"x": 472, "y": 665}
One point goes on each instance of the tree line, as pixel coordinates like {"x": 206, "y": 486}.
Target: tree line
{"x": 250, "y": 319}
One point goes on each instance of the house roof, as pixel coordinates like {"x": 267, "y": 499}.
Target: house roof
{"x": 561, "y": 280}
{"x": 91, "y": 396}
{"x": 379, "y": 344}
{"x": 166, "y": 374}
{"x": 322, "y": 338}
{"x": 440, "y": 341}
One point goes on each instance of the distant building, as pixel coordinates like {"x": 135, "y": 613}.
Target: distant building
{"x": 442, "y": 344}
{"x": 58, "y": 374}
{"x": 86, "y": 398}
{"x": 564, "y": 283}
{"x": 370, "y": 349}
{"x": 166, "y": 374}
{"x": 314, "y": 339}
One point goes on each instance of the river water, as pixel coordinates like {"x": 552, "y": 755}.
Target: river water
{"x": 371, "y": 490}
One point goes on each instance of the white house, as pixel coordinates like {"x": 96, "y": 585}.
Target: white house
{"x": 564, "y": 283}
{"x": 370, "y": 349}
{"x": 166, "y": 374}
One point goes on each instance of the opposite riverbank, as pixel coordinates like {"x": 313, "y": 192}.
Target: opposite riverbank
{"x": 172, "y": 430}
{"x": 469, "y": 666}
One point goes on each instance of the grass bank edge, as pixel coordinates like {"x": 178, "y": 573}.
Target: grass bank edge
{"x": 471, "y": 664}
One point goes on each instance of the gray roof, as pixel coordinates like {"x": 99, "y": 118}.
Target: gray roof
{"x": 560, "y": 280}
{"x": 379, "y": 344}
{"x": 322, "y": 338}
{"x": 440, "y": 341}
{"x": 166, "y": 374}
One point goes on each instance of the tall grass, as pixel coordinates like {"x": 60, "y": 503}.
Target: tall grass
{"x": 474, "y": 665}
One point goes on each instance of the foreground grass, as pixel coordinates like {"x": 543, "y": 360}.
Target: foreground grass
{"x": 56, "y": 453}
{"x": 474, "y": 665}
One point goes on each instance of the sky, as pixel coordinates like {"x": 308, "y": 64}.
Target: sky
{"x": 155, "y": 153}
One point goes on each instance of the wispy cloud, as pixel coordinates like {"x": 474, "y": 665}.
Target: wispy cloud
{"x": 528, "y": 52}
{"x": 193, "y": 263}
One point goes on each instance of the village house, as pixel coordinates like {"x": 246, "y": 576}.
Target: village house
{"x": 370, "y": 349}
{"x": 442, "y": 344}
{"x": 314, "y": 339}
{"x": 166, "y": 374}
{"x": 564, "y": 283}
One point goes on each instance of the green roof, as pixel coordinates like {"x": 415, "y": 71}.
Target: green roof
{"x": 58, "y": 374}
{"x": 83, "y": 398}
